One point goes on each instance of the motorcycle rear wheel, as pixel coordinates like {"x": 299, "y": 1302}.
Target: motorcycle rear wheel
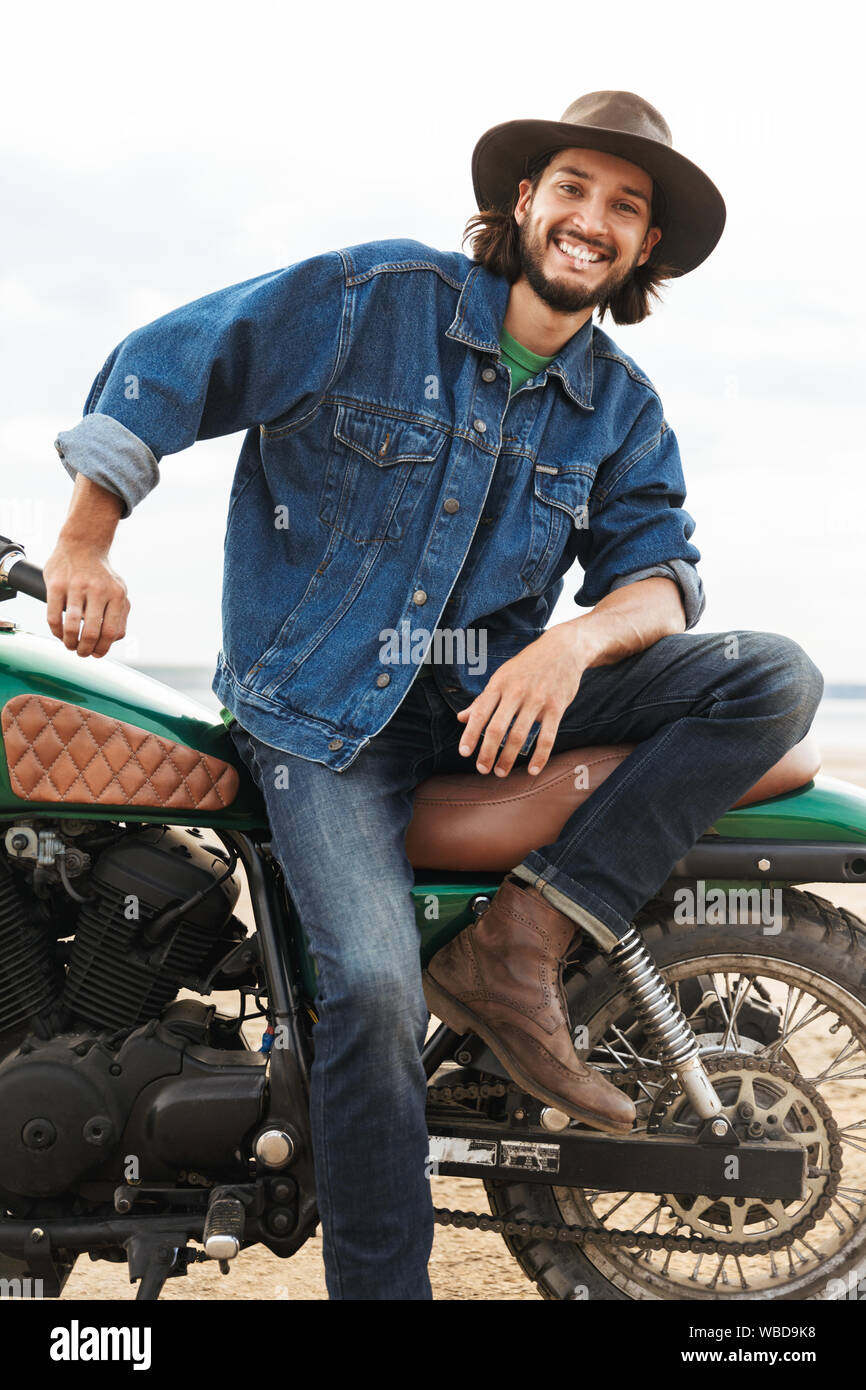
{"x": 814, "y": 972}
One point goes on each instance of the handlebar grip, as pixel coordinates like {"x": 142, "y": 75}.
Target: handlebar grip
{"x": 27, "y": 579}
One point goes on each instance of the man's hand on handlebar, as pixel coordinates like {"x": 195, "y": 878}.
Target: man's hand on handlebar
{"x": 82, "y": 587}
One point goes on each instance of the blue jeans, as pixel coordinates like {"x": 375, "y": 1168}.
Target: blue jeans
{"x": 710, "y": 713}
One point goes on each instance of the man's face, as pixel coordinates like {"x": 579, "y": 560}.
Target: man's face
{"x": 596, "y": 205}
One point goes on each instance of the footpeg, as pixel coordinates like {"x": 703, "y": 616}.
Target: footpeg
{"x": 224, "y": 1228}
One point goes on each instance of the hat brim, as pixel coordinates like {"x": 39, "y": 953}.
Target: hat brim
{"x": 695, "y": 207}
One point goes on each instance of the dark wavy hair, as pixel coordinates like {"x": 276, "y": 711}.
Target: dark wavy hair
{"x": 495, "y": 237}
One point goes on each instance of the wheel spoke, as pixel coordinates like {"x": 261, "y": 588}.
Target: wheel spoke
{"x": 621, "y": 1203}
{"x": 858, "y": 1072}
{"x": 622, "y": 1062}
{"x": 658, "y": 1208}
{"x": 811, "y": 1249}
{"x": 840, "y": 1203}
{"x": 792, "y": 1002}
{"x": 811, "y": 1016}
{"x": 633, "y": 1053}
{"x": 739, "y": 1000}
{"x": 721, "y": 998}
{"x": 843, "y": 1055}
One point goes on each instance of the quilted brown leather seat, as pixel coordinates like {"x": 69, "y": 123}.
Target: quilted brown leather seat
{"x": 466, "y": 821}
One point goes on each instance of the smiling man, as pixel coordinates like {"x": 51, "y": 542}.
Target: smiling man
{"x": 438, "y": 439}
{"x": 574, "y": 263}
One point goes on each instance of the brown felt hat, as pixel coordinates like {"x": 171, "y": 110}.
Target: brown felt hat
{"x": 618, "y": 123}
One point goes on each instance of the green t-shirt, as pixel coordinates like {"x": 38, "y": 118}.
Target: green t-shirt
{"x": 523, "y": 364}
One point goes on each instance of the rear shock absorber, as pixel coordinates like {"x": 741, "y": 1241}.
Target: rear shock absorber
{"x": 664, "y": 1021}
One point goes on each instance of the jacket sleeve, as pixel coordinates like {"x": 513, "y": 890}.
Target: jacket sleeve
{"x": 636, "y": 520}
{"x": 263, "y": 350}
{"x": 684, "y": 574}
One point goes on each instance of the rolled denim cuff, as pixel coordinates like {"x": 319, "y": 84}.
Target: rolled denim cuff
{"x": 104, "y": 450}
{"x": 686, "y": 576}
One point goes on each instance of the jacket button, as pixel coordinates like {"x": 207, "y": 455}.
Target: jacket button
{"x": 384, "y": 679}
{"x": 335, "y": 744}
{"x": 479, "y": 425}
{"x": 488, "y": 374}
{"x": 451, "y": 504}
{"x": 419, "y": 596}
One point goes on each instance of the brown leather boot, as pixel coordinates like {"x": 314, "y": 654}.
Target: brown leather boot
{"x": 501, "y": 978}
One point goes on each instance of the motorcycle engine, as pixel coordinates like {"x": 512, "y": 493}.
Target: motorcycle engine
{"x": 102, "y": 1065}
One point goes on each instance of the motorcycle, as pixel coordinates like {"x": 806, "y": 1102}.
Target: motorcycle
{"x": 140, "y": 1126}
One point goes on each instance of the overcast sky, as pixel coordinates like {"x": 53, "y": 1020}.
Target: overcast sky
{"x": 152, "y": 154}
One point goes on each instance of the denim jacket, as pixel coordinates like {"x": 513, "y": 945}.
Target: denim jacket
{"x": 388, "y": 482}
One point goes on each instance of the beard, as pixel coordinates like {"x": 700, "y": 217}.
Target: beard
{"x": 558, "y": 292}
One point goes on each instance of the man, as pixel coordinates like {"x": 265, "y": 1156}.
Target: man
{"x": 431, "y": 437}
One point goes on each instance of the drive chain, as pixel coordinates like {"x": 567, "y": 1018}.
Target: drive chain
{"x": 641, "y": 1240}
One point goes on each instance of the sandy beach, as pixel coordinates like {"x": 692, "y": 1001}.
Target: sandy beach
{"x": 465, "y": 1264}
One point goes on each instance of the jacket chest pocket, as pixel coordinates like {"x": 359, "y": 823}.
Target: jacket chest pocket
{"x": 559, "y": 504}
{"x": 378, "y": 465}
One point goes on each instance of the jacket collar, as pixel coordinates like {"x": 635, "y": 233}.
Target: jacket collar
{"x": 478, "y": 322}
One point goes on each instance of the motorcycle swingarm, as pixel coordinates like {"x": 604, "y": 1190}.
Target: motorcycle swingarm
{"x": 574, "y": 1158}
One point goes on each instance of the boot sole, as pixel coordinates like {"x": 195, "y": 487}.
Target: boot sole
{"x": 463, "y": 1020}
